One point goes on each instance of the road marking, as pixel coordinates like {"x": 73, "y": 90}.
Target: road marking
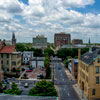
{"x": 68, "y": 94}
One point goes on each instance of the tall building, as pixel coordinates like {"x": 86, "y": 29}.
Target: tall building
{"x": 10, "y": 58}
{"x": 39, "y": 42}
{"x": 77, "y": 41}
{"x": 13, "y": 39}
{"x": 61, "y": 39}
{"x": 89, "y": 74}
{"x": 89, "y": 42}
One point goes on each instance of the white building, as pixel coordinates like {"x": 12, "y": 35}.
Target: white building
{"x": 27, "y": 56}
{"x": 37, "y": 62}
{"x": 39, "y": 42}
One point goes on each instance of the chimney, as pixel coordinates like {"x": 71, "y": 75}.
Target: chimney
{"x": 79, "y": 53}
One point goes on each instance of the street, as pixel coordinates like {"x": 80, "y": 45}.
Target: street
{"x": 65, "y": 85}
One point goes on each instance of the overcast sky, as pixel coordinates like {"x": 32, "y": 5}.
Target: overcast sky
{"x": 28, "y": 18}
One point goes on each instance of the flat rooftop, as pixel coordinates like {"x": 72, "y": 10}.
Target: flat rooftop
{"x": 24, "y": 97}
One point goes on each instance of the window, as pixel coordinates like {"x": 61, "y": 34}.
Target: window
{"x": 13, "y": 63}
{"x": 97, "y": 69}
{"x": 97, "y": 80}
{"x": 93, "y": 92}
{"x": 98, "y": 60}
{"x": 1, "y": 61}
{"x": 1, "y": 55}
{"x": 7, "y": 55}
{"x": 7, "y": 62}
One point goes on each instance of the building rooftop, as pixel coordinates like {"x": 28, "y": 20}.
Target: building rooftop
{"x": 8, "y": 49}
{"x": 24, "y": 97}
{"x": 39, "y": 36}
{"x": 89, "y": 57}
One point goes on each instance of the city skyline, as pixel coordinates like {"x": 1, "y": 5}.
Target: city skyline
{"x": 28, "y": 18}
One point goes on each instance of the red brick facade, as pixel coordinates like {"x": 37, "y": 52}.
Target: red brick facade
{"x": 61, "y": 39}
{"x": 77, "y": 41}
{"x": 75, "y": 68}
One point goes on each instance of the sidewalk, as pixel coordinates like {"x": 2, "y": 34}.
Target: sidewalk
{"x": 79, "y": 92}
{"x": 68, "y": 74}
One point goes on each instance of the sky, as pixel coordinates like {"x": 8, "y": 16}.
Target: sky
{"x": 28, "y": 18}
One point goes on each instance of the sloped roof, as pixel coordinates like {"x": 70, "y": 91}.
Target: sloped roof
{"x": 89, "y": 57}
{"x": 8, "y": 49}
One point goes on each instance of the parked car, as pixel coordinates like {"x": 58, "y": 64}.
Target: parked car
{"x": 40, "y": 76}
{"x": 59, "y": 68}
{"x": 26, "y": 85}
{"x": 29, "y": 70}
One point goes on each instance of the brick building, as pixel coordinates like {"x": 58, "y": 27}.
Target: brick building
{"x": 61, "y": 39}
{"x": 77, "y": 41}
{"x": 75, "y": 68}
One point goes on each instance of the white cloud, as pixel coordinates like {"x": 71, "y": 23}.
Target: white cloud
{"x": 48, "y": 17}
{"x": 77, "y": 3}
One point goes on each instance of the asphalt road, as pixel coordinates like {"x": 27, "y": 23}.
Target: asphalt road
{"x": 65, "y": 85}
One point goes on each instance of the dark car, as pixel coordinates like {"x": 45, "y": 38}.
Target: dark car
{"x": 26, "y": 85}
{"x": 59, "y": 68}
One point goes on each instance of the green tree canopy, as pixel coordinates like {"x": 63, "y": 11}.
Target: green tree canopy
{"x": 49, "y": 52}
{"x": 43, "y": 88}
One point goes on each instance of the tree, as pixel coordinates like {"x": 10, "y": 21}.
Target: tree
{"x": 14, "y": 86}
{"x": 14, "y": 70}
{"x": 21, "y": 47}
{"x": 47, "y": 66}
{"x": 25, "y": 76}
{"x": 43, "y": 88}
{"x": 14, "y": 90}
{"x": 1, "y": 88}
{"x": 48, "y": 52}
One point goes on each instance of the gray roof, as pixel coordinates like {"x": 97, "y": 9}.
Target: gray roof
{"x": 24, "y": 97}
{"x": 89, "y": 57}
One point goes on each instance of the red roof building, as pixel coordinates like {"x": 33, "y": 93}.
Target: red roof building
{"x": 8, "y": 49}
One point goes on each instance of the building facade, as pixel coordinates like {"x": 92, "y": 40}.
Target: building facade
{"x": 61, "y": 39}
{"x": 89, "y": 74}
{"x": 27, "y": 56}
{"x": 75, "y": 68}
{"x": 10, "y": 58}
{"x": 1, "y": 72}
{"x": 39, "y": 42}
{"x": 37, "y": 62}
{"x": 77, "y": 41}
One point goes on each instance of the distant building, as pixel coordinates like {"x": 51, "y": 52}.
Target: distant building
{"x": 89, "y": 74}
{"x": 75, "y": 68}
{"x": 1, "y": 72}
{"x": 37, "y": 62}
{"x": 89, "y": 42}
{"x": 27, "y": 56}
{"x": 74, "y": 46}
{"x": 39, "y": 42}
{"x": 8, "y": 42}
{"x": 13, "y": 39}
{"x": 61, "y": 39}
{"x": 10, "y": 58}
{"x": 77, "y": 41}
{"x": 2, "y": 44}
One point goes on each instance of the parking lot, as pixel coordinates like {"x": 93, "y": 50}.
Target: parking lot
{"x": 34, "y": 73}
